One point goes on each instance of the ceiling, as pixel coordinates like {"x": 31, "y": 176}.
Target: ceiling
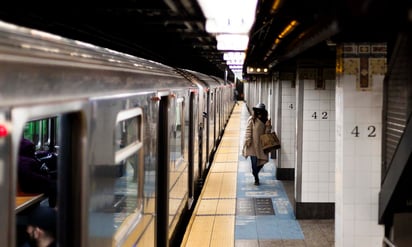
{"x": 173, "y": 31}
{"x": 321, "y": 23}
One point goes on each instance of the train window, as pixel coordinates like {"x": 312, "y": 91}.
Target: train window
{"x": 42, "y": 133}
{"x": 128, "y": 191}
{"x": 177, "y": 140}
{"x": 127, "y": 131}
{"x": 36, "y": 189}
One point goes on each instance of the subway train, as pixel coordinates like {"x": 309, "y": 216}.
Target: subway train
{"x": 133, "y": 138}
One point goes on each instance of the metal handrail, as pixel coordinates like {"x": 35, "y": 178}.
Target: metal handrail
{"x": 388, "y": 242}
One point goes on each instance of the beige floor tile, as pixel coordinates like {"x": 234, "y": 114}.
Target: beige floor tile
{"x": 223, "y": 231}
{"x": 224, "y": 167}
{"x": 226, "y": 207}
{"x": 228, "y": 189}
{"x": 207, "y": 207}
{"x": 201, "y": 232}
{"x": 213, "y": 185}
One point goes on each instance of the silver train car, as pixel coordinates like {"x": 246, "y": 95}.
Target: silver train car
{"x": 133, "y": 138}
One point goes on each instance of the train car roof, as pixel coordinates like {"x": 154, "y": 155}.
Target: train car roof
{"x": 209, "y": 81}
{"x": 37, "y": 66}
{"x": 220, "y": 80}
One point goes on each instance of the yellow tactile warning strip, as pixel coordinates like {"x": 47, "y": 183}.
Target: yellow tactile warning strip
{"x": 213, "y": 219}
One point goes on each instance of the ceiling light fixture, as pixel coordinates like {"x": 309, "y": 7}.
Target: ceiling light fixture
{"x": 233, "y": 42}
{"x": 287, "y": 30}
{"x": 228, "y": 16}
{"x": 230, "y": 21}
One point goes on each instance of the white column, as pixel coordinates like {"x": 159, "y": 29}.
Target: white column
{"x": 359, "y": 91}
{"x": 318, "y": 138}
{"x": 288, "y": 131}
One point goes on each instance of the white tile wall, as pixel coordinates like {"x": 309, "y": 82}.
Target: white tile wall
{"x": 358, "y": 163}
{"x": 288, "y": 131}
{"x": 318, "y": 142}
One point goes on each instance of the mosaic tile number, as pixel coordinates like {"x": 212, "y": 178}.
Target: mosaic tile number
{"x": 371, "y": 129}
{"x": 324, "y": 115}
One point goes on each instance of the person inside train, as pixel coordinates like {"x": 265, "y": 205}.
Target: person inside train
{"x": 33, "y": 175}
{"x": 41, "y": 227}
{"x": 257, "y": 124}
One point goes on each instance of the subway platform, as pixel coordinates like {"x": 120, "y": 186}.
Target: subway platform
{"x": 232, "y": 211}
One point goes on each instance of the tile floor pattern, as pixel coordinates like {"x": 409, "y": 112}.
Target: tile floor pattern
{"x": 278, "y": 223}
{"x": 233, "y": 211}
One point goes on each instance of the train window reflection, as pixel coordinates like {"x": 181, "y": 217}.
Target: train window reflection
{"x": 127, "y": 205}
{"x": 127, "y": 131}
{"x": 177, "y": 140}
{"x": 127, "y": 202}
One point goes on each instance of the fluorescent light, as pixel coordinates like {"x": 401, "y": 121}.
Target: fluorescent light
{"x": 228, "y": 16}
{"x": 233, "y": 42}
{"x": 235, "y": 62}
{"x": 234, "y": 56}
{"x": 230, "y": 21}
{"x": 289, "y": 28}
{"x": 226, "y": 25}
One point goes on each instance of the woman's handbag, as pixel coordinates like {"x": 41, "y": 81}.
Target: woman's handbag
{"x": 269, "y": 141}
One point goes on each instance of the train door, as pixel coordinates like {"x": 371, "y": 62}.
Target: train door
{"x": 47, "y": 166}
{"x": 215, "y": 120}
{"x": 192, "y": 143}
{"x": 212, "y": 122}
{"x": 202, "y": 136}
{"x": 122, "y": 169}
{"x": 162, "y": 202}
{"x": 179, "y": 163}
{"x": 219, "y": 106}
{"x": 172, "y": 190}
{"x": 208, "y": 126}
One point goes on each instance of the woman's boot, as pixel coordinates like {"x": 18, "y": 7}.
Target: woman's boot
{"x": 256, "y": 179}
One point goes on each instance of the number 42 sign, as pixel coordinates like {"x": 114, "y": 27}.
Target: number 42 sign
{"x": 371, "y": 131}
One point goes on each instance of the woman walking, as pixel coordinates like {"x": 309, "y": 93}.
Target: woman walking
{"x": 257, "y": 125}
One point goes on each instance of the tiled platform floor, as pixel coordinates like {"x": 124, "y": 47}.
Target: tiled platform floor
{"x": 232, "y": 211}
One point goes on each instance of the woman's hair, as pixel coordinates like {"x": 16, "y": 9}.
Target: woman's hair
{"x": 262, "y": 112}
